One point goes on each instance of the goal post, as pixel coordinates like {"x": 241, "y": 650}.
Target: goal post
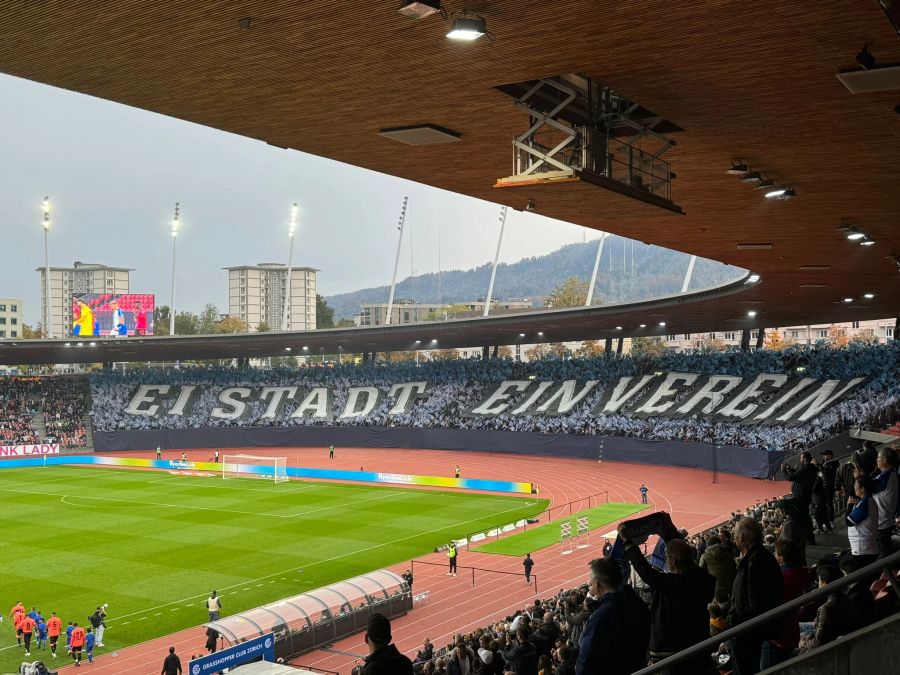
{"x": 253, "y": 466}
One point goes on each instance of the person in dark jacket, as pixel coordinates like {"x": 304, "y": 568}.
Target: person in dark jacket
{"x": 383, "y": 658}
{"x": 171, "y": 664}
{"x": 803, "y": 479}
{"x": 566, "y": 661}
{"x": 617, "y": 634}
{"x": 828, "y": 471}
{"x": 678, "y": 608}
{"x": 794, "y": 527}
{"x": 758, "y": 587}
{"x": 528, "y": 564}
{"x": 835, "y": 617}
{"x": 718, "y": 562}
{"x": 859, "y": 594}
{"x": 520, "y": 655}
{"x": 461, "y": 660}
{"x": 796, "y": 583}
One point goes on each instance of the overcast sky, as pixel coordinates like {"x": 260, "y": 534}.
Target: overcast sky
{"x": 113, "y": 174}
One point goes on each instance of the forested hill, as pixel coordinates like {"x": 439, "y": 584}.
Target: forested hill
{"x": 629, "y": 271}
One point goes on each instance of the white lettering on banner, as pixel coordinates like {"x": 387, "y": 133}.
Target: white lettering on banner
{"x": 409, "y": 393}
{"x": 29, "y": 450}
{"x": 620, "y": 396}
{"x": 373, "y": 396}
{"x": 234, "y": 404}
{"x": 564, "y": 399}
{"x": 766, "y": 398}
{"x": 713, "y": 391}
{"x": 498, "y": 401}
{"x": 143, "y": 398}
{"x": 395, "y": 478}
{"x": 664, "y": 397}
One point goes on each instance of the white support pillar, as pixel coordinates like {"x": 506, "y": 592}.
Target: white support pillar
{"x": 688, "y": 274}
{"x": 390, "y": 307}
{"x": 590, "y": 293}
{"x": 490, "y": 292}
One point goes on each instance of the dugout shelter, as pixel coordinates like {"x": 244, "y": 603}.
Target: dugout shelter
{"x": 319, "y": 617}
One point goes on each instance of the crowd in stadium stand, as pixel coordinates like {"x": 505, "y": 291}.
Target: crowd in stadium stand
{"x": 459, "y": 384}
{"x": 62, "y": 401}
{"x": 693, "y": 589}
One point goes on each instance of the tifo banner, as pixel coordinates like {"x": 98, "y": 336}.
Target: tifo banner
{"x": 262, "y": 647}
{"x": 767, "y": 398}
{"x": 292, "y": 472}
{"x": 29, "y": 450}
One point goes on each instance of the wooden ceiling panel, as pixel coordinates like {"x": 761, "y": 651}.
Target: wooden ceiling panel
{"x": 754, "y": 81}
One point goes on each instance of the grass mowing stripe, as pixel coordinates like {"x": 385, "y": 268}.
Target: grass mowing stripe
{"x": 146, "y": 563}
{"x": 546, "y": 535}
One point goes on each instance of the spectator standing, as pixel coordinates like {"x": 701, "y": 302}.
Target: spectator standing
{"x": 520, "y": 655}
{"x": 212, "y": 638}
{"x": 158, "y": 452}
{"x": 802, "y": 480}
{"x": 607, "y": 548}
{"x": 644, "y": 492}
{"x": 172, "y": 664}
{"x": 862, "y": 522}
{"x": 758, "y": 587}
{"x": 456, "y": 472}
{"x": 794, "y": 527}
{"x": 383, "y": 658}
{"x": 528, "y": 564}
{"x": 426, "y": 653}
{"x": 98, "y": 623}
{"x": 452, "y": 555}
{"x": 718, "y": 561}
{"x": 408, "y": 578}
{"x": 213, "y": 606}
{"x": 331, "y": 451}
{"x": 617, "y": 634}
{"x": 796, "y": 583}
{"x": 885, "y": 494}
{"x": 462, "y": 660}
{"x": 679, "y": 611}
{"x": 828, "y": 471}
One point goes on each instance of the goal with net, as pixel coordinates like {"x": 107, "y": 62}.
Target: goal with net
{"x": 252, "y": 466}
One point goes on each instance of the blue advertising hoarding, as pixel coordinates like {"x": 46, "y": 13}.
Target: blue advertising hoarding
{"x": 251, "y": 650}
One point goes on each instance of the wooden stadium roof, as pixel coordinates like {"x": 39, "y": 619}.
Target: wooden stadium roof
{"x": 754, "y": 81}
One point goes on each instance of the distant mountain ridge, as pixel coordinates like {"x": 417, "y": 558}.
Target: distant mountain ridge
{"x": 629, "y": 271}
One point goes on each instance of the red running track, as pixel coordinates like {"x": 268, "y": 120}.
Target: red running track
{"x": 453, "y": 605}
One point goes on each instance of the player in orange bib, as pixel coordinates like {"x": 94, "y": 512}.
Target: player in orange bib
{"x": 54, "y": 627}
{"x": 27, "y": 624}
{"x": 17, "y": 623}
{"x": 77, "y": 643}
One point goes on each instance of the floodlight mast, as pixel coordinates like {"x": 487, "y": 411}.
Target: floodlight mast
{"x": 45, "y": 206}
{"x": 490, "y": 293}
{"x": 292, "y": 228}
{"x": 176, "y": 223}
{"x": 400, "y": 224}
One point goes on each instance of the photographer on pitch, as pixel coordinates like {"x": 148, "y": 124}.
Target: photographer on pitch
{"x": 98, "y": 623}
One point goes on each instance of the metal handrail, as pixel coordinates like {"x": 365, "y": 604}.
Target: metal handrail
{"x": 820, "y": 593}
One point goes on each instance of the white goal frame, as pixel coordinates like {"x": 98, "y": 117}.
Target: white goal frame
{"x": 232, "y": 467}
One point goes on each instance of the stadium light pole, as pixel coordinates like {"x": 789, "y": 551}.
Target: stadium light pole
{"x": 590, "y": 294}
{"x": 490, "y": 293}
{"x": 689, "y": 274}
{"x": 295, "y": 208}
{"x": 390, "y": 307}
{"x": 175, "y": 224}
{"x": 48, "y": 327}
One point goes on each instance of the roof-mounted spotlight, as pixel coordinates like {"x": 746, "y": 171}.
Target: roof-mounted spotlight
{"x": 618, "y": 327}
{"x": 662, "y": 324}
{"x": 867, "y": 242}
{"x": 751, "y": 313}
{"x": 776, "y": 192}
{"x": 643, "y": 325}
{"x": 868, "y": 296}
{"x": 848, "y": 299}
{"x": 287, "y": 349}
{"x": 419, "y": 9}
{"x": 865, "y": 58}
{"x": 467, "y": 28}
{"x": 738, "y": 169}
{"x": 751, "y": 177}
{"x": 540, "y": 333}
{"x": 787, "y": 195}
{"x": 855, "y": 235}
{"x": 521, "y": 335}
{"x": 752, "y": 279}
{"x": 765, "y": 184}
{"x": 305, "y": 348}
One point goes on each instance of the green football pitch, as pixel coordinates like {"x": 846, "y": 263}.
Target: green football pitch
{"x": 548, "y": 534}
{"x": 153, "y": 545}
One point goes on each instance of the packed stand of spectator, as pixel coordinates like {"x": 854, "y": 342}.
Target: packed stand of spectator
{"x": 63, "y": 401}
{"x": 694, "y": 588}
{"x": 457, "y": 385}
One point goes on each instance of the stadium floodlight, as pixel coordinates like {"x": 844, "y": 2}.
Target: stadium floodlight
{"x": 467, "y": 29}
{"x": 521, "y": 335}
{"x": 643, "y": 325}
{"x": 253, "y": 466}
{"x": 540, "y": 333}
{"x": 48, "y": 326}
{"x": 853, "y": 234}
{"x": 176, "y": 224}
{"x": 777, "y": 192}
{"x": 287, "y": 349}
{"x": 618, "y": 327}
{"x": 751, "y": 313}
{"x": 292, "y": 227}
{"x": 869, "y": 296}
{"x": 305, "y": 348}
{"x": 848, "y": 299}
{"x": 867, "y": 242}
{"x": 662, "y": 324}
